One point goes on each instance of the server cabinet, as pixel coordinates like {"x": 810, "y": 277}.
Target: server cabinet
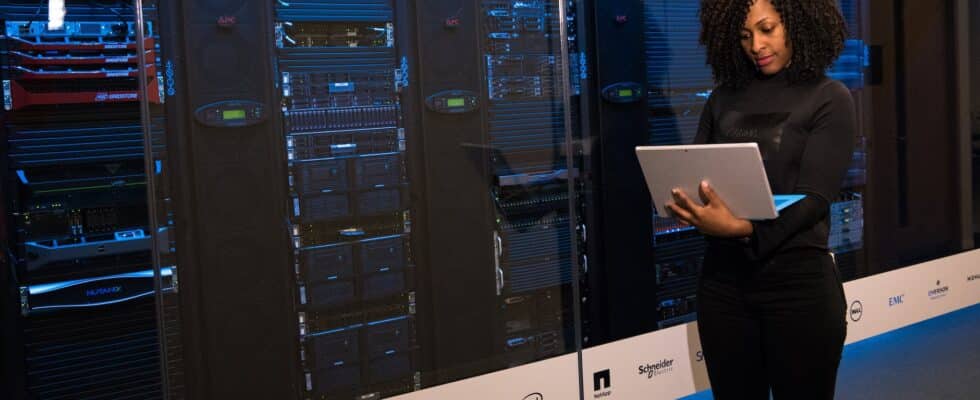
{"x": 235, "y": 298}
{"x": 79, "y": 311}
{"x": 509, "y": 210}
{"x": 915, "y": 120}
{"x": 343, "y": 70}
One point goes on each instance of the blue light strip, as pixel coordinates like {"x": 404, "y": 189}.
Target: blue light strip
{"x": 374, "y": 239}
{"x": 345, "y": 157}
{"x": 380, "y": 238}
{"x": 384, "y": 321}
{"x": 104, "y": 303}
{"x": 338, "y": 330}
{"x": 51, "y": 287}
{"x": 129, "y": 235}
{"x": 675, "y": 230}
{"x": 352, "y": 327}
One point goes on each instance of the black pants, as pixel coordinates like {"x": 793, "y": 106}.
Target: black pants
{"x": 777, "y": 326}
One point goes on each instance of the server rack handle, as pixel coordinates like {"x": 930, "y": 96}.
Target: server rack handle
{"x": 498, "y": 251}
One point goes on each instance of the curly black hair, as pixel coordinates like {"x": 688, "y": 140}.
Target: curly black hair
{"x": 815, "y": 29}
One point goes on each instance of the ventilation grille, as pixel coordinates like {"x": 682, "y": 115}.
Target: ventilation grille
{"x": 102, "y": 353}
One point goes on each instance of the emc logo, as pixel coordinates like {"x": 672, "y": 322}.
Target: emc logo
{"x": 896, "y": 300}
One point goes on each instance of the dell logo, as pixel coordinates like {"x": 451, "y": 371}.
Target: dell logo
{"x": 102, "y": 291}
{"x": 896, "y": 300}
{"x": 857, "y": 310}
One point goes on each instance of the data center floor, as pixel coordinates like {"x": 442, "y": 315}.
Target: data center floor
{"x": 934, "y": 359}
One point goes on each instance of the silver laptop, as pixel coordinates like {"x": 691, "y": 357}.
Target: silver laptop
{"x": 734, "y": 170}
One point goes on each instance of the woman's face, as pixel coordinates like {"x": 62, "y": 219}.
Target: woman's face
{"x": 764, "y": 38}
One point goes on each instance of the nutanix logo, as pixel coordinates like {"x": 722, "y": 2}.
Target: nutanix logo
{"x": 661, "y": 367}
{"x": 103, "y": 291}
{"x": 939, "y": 291}
{"x": 601, "y": 382}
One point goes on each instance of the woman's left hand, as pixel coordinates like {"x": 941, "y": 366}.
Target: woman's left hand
{"x": 713, "y": 219}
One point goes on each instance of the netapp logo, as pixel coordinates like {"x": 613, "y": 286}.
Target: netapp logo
{"x": 896, "y": 300}
{"x": 857, "y": 310}
{"x": 662, "y": 367}
{"x": 973, "y": 278}
{"x": 534, "y": 396}
{"x": 102, "y": 291}
{"x": 600, "y": 381}
{"x": 939, "y": 291}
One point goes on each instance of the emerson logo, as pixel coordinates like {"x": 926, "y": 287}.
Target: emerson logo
{"x": 662, "y": 367}
{"x": 857, "y": 310}
{"x": 939, "y": 291}
{"x": 601, "y": 381}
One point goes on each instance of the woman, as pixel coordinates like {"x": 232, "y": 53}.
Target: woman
{"x": 771, "y": 306}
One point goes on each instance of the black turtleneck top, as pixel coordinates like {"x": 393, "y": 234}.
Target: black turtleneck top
{"x": 805, "y": 133}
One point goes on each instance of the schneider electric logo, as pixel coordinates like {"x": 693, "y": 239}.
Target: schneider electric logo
{"x": 939, "y": 291}
{"x": 601, "y": 382}
{"x": 662, "y": 367}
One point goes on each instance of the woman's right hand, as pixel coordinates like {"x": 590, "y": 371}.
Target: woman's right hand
{"x": 712, "y": 219}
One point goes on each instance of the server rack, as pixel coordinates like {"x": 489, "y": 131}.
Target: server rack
{"x": 343, "y": 70}
{"x": 78, "y": 278}
{"x": 503, "y": 181}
